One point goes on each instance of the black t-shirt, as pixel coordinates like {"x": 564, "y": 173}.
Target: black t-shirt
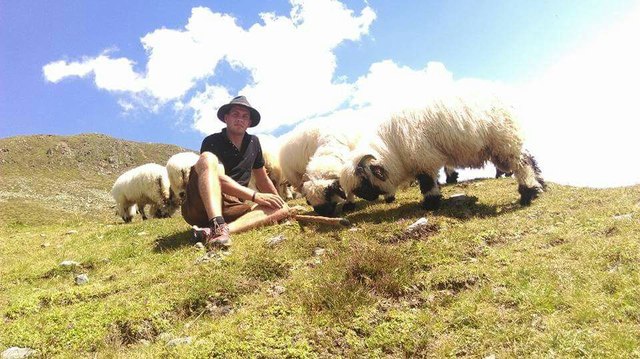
{"x": 237, "y": 164}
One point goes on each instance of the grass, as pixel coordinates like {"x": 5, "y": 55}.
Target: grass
{"x": 486, "y": 277}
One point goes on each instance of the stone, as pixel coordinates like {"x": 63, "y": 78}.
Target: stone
{"x": 69, "y": 263}
{"x": 273, "y": 241}
{"x": 318, "y": 251}
{"x": 417, "y": 224}
{"x": 199, "y": 246}
{"x": 278, "y": 289}
{"x": 179, "y": 341}
{"x": 623, "y": 217}
{"x": 17, "y": 353}
{"x": 82, "y": 279}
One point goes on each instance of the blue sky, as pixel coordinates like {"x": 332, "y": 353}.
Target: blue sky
{"x": 157, "y": 71}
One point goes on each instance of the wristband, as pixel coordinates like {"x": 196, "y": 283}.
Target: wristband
{"x": 253, "y": 198}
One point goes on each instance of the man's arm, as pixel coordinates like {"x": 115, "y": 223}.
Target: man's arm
{"x": 263, "y": 182}
{"x": 233, "y": 188}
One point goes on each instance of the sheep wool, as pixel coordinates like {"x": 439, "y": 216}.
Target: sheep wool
{"x": 456, "y": 130}
{"x": 146, "y": 184}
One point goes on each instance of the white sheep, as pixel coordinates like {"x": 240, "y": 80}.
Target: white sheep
{"x": 178, "y": 169}
{"x": 271, "y": 155}
{"x": 146, "y": 184}
{"x": 455, "y": 130}
{"x": 311, "y": 160}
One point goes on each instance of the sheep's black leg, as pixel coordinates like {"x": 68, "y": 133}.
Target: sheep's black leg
{"x": 348, "y": 206}
{"x": 430, "y": 191}
{"x": 452, "y": 177}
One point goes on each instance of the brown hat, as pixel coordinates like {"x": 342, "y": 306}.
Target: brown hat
{"x": 240, "y": 101}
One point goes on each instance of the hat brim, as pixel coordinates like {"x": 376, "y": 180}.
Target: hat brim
{"x": 253, "y": 113}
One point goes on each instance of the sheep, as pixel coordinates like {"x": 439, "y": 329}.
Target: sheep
{"x": 178, "y": 168}
{"x": 454, "y": 130}
{"x": 146, "y": 184}
{"x": 271, "y": 154}
{"x": 311, "y": 160}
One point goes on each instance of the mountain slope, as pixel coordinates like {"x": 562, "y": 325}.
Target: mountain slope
{"x": 67, "y": 177}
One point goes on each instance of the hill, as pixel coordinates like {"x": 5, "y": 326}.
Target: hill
{"x": 65, "y": 177}
{"x": 485, "y": 277}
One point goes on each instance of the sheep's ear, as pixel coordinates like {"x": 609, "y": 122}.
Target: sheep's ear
{"x": 379, "y": 172}
{"x": 337, "y": 190}
{"x": 362, "y": 163}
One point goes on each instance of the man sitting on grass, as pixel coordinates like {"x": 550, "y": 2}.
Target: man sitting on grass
{"x": 216, "y": 203}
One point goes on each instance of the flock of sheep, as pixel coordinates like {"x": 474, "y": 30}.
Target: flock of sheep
{"x": 329, "y": 167}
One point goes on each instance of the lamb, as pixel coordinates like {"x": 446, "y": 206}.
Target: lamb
{"x": 178, "y": 168}
{"x": 311, "y": 159}
{"x": 271, "y": 154}
{"x": 454, "y": 130}
{"x": 146, "y": 184}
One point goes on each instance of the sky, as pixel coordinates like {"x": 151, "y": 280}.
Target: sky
{"x": 157, "y": 71}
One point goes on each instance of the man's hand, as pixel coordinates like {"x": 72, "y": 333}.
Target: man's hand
{"x": 269, "y": 200}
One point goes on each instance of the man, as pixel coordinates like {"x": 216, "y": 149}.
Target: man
{"x": 215, "y": 202}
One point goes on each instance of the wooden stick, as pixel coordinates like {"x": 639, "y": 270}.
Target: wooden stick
{"x": 324, "y": 220}
{"x": 245, "y": 224}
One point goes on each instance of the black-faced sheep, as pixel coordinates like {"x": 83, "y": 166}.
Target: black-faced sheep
{"x": 311, "y": 160}
{"x": 146, "y": 184}
{"x": 456, "y": 131}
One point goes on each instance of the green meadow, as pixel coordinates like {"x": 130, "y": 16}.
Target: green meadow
{"x": 485, "y": 277}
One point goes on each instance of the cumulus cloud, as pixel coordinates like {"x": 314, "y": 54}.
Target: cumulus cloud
{"x": 578, "y": 117}
{"x": 110, "y": 74}
{"x": 291, "y": 56}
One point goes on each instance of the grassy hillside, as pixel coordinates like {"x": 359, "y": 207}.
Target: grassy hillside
{"x": 66, "y": 177}
{"x": 485, "y": 277}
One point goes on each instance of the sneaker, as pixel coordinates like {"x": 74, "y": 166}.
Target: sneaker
{"x": 211, "y": 237}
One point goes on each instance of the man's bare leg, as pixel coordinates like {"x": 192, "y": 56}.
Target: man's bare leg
{"x": 209, "y": 184}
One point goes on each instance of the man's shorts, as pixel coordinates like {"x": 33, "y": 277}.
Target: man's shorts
{"x": 193, "y": 210}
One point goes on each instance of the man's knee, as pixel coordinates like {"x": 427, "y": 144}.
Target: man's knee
{"x": 208, "y": 162}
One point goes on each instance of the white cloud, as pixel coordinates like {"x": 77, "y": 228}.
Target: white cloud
{"x": 110, "y": 74}
{"x": 579, "y": 117}
{"x": 205, "y": 113}
{"x": 288, "y": 56}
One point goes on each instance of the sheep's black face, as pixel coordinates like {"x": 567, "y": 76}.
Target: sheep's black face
{"x": 327, "y": 209}
{"x": 367, "y": 190}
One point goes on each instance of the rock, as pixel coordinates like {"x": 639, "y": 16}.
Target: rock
{"x": 69, "y": 263}
{"x": 209, "y": 256}
{"x": 278, "y": 289}
{"x": 199, "y": 246}
{"x": 165, "y": 337}
{"x": 45, "y": 245}
{"x": 623, "y": 217}
{"x": 179, "y": 341}
{"x": 71, "y": 231}
{"x": 17, "y": 352}
{"x": 353, "y": 229}
{"x": 142, "y": 233}
{"x": 275, "y": 240}
{"x": 82, "y": 279}
{"x": 318, "y": 251}
{"x": 417, "y": 224}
